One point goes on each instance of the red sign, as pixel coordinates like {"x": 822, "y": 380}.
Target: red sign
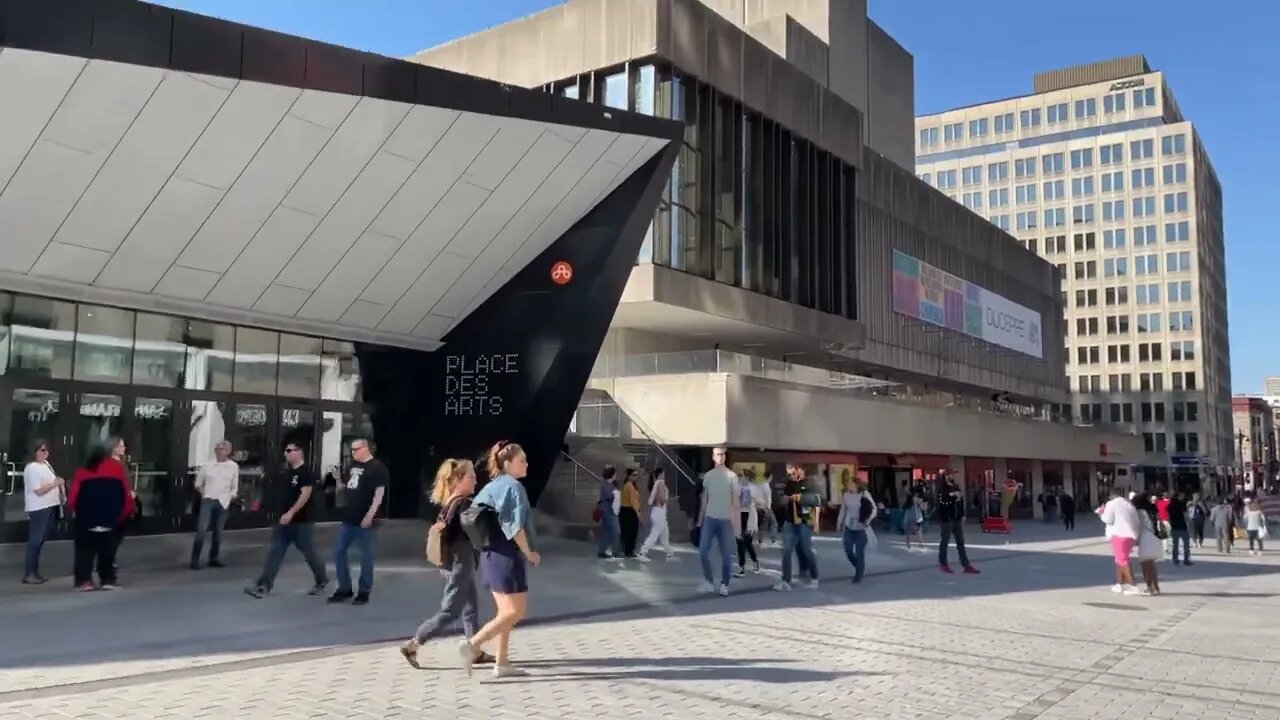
{"x": 561, "y": 273}
{"x": 1102, "y": 449}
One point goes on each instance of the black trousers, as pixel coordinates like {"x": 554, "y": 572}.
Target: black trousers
{"x": 1069, "y": 520}
{"x": 95, "y": 548}
{"x": 629, "y": 523}
{"x": 746, "y": 544}
{"x": 952, "y": 529}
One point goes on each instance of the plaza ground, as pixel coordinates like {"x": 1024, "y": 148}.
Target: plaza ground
{"x": 1036, "y": 636}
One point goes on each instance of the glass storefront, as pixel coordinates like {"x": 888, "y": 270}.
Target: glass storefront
{"x": 73, "y": 375}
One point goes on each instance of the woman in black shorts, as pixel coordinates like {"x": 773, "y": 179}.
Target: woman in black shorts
{"x": 502, "y": 562}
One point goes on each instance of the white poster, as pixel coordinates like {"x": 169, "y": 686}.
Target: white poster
{"x": 1008, "y": 324}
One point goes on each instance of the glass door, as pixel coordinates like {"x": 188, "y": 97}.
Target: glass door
{"x": 250, "y": 430}
{"x": 337, "y": 429}
{"x": 298, "y": 425}
{"x": 155, "y": 449}
{"x": 35, "y": 415}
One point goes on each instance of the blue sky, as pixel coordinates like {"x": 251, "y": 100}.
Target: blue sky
{"x": 1221, "y": 65}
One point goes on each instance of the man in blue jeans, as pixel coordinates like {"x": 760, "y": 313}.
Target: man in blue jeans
{"x": 796, "y": 517}
{"x": 718, "y": 520}
{"x": 608, "y": 536}
{"x": 292, "y": 498}
{"x": 365, "y": 485}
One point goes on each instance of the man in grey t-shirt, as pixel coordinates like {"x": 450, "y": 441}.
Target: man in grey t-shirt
{"x": 718, "y": 520}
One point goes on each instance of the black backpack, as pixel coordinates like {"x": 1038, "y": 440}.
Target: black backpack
{"x": 477, "y": 522}
{"x": 865, "y": 508}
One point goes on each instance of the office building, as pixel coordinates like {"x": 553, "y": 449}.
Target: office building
{"x": 216, "y": 231}
{"x": 1271, "y": 386}
{"x": 801, "y": 297}
{"x": 1099, "y": 172}
{"x": 1255, "y": 437}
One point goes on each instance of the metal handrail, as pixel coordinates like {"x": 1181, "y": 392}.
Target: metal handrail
{"x": 653, "y": 439}
{"x": 584, "y": 468}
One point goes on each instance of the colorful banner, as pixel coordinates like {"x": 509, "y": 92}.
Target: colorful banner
{"x": 926, "y": 293}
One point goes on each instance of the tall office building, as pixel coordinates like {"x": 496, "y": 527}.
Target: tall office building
{"x": 1099, "y": 172}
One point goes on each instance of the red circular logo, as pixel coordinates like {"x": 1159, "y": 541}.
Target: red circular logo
{"x": 561, "y": 273}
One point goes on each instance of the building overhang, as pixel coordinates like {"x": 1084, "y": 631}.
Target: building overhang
{"x": 169, "y": 162}
{"x": 662, "y": 300}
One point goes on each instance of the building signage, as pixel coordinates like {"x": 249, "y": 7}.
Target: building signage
{"x": 924, "y": 292}
{"x": 470, "y": 383}
{"x": 1127, "y": 84}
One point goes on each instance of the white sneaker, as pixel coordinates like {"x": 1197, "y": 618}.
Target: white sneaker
{"x": 706, "y": 587}
{"x": 467, "y": 655}
{"x": 757, "y": 569}
{"x": 643, "y": 558}
{"x": 671, "y": 556}
{"x": 724, "y": 590}
{"x": 1134, "y": 590}
{"x": 507, "y": 671}
{"x": 813, "y": 584}
{"x": 1117, "y": 588}
{"x": 783, "y": 587}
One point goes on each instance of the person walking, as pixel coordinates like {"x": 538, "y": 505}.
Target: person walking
{"x": 42, "y": 499}
{"x": 454, "y": 486}
{"x": 951, "y": 523}
{"x": 292, "y": 501}
{"x": 101, "y": 500}
{"x": 1179, "y": 529}
{"x": 510, "y": 544}
{"x": 1199, "y": 514}
{"x": 857, "y": 510}
{"x": 366, "y": 484}
{"x": 749, "y": 526}
{"x": 607, "y": 507}
{"x": 797, "y": 514}
{"x": 913, "y": 521}
{"x": 1255, "y": 524}
{"x": 1067, "y": 505}
{"x": 659, "y": 530}
{"x": 629, "y": 514}
{"x": 718, "y": 521}
{"x": 218, "y": 483}
{"x": 1150, "y": 550}
{"x": 1123, "y": 528}
{"x": 1222, "y": 517}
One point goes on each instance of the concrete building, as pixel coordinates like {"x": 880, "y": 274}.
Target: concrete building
{"x": 213, "y": 231}
{"x": 1098, "y": 172}
{"x": 1253, "y": 419}
{"x": 776, "y": 306}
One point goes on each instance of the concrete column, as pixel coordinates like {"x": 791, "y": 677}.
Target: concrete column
{"x": 955, "y": 465}
{"x": 1068, "y": 480}
{"x": 1037, "y": 487}
{"x": 1093, "y": 485}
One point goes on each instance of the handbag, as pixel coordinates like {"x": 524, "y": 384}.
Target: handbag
{"x": 437, "y": 549}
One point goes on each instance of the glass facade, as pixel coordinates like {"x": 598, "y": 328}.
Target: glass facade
{"x": 749, "y": 202}
{"x": 74, "y": 375}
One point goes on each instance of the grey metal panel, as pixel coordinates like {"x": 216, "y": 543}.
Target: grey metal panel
{"x": 1112, "y": 69}
{"x": 689, "y": 36}
{"x": 807, "y": 51}
{"x": 757, "y": 73}
{"x": 724, "y": 54}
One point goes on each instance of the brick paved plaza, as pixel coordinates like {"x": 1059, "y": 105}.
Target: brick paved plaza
{"x": 1037, "y": 635}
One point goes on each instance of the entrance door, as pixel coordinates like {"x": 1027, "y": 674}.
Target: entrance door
{"x": 35, "y": 414}
{"x": 298, "y": 426}
{"x": 250, "y": 430}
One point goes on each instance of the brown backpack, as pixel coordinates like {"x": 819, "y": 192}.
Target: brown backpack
{"x": 438, "y": 552}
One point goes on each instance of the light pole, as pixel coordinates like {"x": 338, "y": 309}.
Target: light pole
{"x": 1240, "y": 436}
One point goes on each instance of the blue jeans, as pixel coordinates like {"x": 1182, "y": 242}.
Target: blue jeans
{"x": 1182, "y": 537}
{"x": 608, "y": 539}
{"x": 363, "y": 537}
{"x": 855, "y": 548}
{"x": 212, "y": 518}
{"x": 282, "y": 536}
{"x": 39, "y": 524}
{"x": 798, "y": 540}
{"x": 720, "y": 531}
{"x": 461, "y": 600}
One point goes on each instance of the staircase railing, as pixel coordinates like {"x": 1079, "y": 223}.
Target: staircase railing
{"x": 684, "y": 472}
{"x": 578, "y": 466}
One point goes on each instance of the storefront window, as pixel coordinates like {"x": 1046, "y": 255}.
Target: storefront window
{"x": 104, "y": 344}
{"x": 339, "y": 371}
{"x": 211, "y": 351}
{"x": 615, "y": 90}
{"x": 257, "y": 359}
{"x": 300, "y": 366}
{"x": 6, "y": 309}
{"x": 43, "y": 336}
{"x": 159, "y": 354}
{"x": 646, "y": 89}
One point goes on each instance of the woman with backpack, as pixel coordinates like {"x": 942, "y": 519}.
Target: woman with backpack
{"x": 455, "y": 484}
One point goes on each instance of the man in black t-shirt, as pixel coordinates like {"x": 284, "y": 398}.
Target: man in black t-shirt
{"x": 293, "y": 495}
{"x": 362, "y": 491}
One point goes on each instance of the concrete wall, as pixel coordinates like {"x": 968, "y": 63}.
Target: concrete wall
{"x": 745, "y": 411}
{"x": 891, "y": 107}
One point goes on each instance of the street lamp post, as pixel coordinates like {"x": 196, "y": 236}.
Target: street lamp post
{"x": 1240, "y": 436}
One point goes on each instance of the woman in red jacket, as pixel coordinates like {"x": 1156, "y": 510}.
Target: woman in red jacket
{"x": 101, "y": 500}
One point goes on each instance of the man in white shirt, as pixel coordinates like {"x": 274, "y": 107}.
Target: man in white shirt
{"x": 217, "y": 482}
{"x": 718, "y": 521}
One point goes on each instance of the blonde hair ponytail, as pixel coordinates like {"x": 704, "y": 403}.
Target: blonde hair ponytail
{"x": 447, "y": 477}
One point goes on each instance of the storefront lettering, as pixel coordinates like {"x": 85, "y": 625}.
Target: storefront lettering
{"x": 1006, "y": 323}
{"x": 470, "y": 380}
{"x": 1126, "y": 84}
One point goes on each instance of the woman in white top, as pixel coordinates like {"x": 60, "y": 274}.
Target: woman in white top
{"x": 1123, "y": 528}
{"x": 1255, "y": 524}
{"x": 749, "y": 525}
{"x": 1150, "y": 546}
{"x": 43, "y": 496}
{"x": 659, "y": 531}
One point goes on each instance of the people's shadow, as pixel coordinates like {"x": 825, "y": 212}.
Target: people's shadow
{"x": 676, "y": 669}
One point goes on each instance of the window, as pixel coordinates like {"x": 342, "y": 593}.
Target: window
{"x": 998, "y": 197}
{"x": 1184, "y": 380}
{"x": 1055, "y": 244}
{"x": 1175, "y": 173}
{"x": 1086, "y": 270}
{"x": 1173, "y": 145}
{"x": 1054, "y": 190}
{"x": 1151, "y": 382}
{"x": 1052, "y": 163}
{"x": 927, "y": 178}
{"x": 1024, "y": 167}
{"x": 615, "y": 90}
{"x": 1082, "y": 158}
{"x": 1113, "y": 103}
{"x": 300, "y": 366}
{"x": 1180, "y": 291}
{"x": 1149, "y": 352}
{"x": 1117, "y": 324}
{"x": 1142, "y": 149}
{"x": 1181, "y": 321}
{"x": 1152, "y": 412}
{"x": 972, "y": 200}
{"x": 1117, "y": 296}
{"x": 1175, "y": 202}
{"x": 1177, "y": 232}
{"x": 1004, "y": 123}
{"x": 1086, "y": 298}
{"x": 1144, "y": 97}
{"x": 1082, "y": 214}
{"x": 1057, "y": 113}
{"x": 1089, "y": 355}
{"x": 1029, "y": 118}
{"x": 1025, "y": 194}
{"x": 646, "y": 91}
{"x": 1056, "y": 217}
{"x": 947, "y": 179}
{"x": 1113, "y": 181}
{"x": 1086, "y": 326}
{"x": 997, "y": 172}
{"x": 1148, "y": 322}
{"x": 1177, "y": 261}
{"x": 1144, "y": 177}
{"x": 1148, "y": 294}
{"x": 1115, "y": 267}
{"x": 1118, "y": 354}
{"x": 1085, "y": 241}
{"x": 1000, "y": 221}
{"x": 1146, "y": 265}
{"x": 1182, "y": 350}
{"x": 1086, "y": 108}
{"x": 1113, "y": 210}
{"x": 978, "y": 128}
{"x": 1111, "y": 154}
{"x": 971, "y": 175}
{"x": 1027, "y": 221}
{"x": 1193, "y": 411}
{"x": 1112, "y": 239}
{"x": 953, "y": 132}
{"x": 1144, "y": 235}
{"x": 929, "y": 137}
{"x": 1144, "y": 206}
{"x": 1082, "y": 186}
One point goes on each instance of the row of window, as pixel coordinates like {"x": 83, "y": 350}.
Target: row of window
{"x": 1082, "y": 214}
{"x": 1085, "y": 109}
{"x": 44, "y": 338}
{"x": 1115, "y": 239}
{"x": 1178, "y": 411}
{"x": 1179, "y": 350}
{"x": 1144, "y": 323}
{"x": 1052, "y": 164}
{"x": 1147, "y": 381}
{"x": 1143, "y": 265}
{"x": 1144, "y": 294}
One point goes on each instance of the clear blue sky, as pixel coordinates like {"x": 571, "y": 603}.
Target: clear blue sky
{"x": 1221, "y": 60}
